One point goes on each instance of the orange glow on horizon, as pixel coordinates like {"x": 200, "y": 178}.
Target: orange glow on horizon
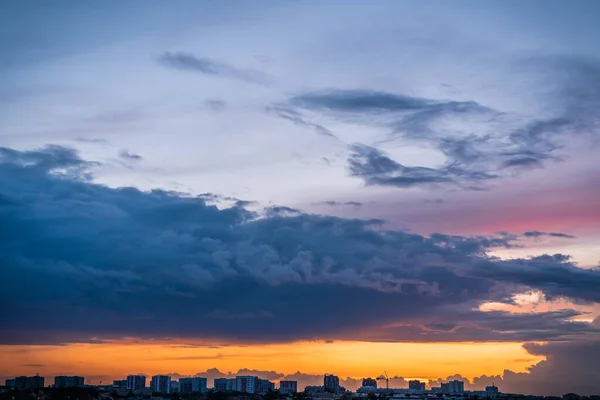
{"x": 115, "y": 360}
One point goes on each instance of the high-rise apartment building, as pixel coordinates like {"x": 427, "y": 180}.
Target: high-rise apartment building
{"x": 136, "y": 382}
{"x": 265, "y": 386}
{"x": 331, "y": 383}
{"x": 121, "y": 383}
{"x": 288, "y": 387}
{"x": 491, "y": 392}
{"x": 68, "y": 381}
{"x": 369, "y": 382}
{"x": 194, "y": 384}
{"x": 247, "y": 384}
{"x": 161, "y": 384}
{"x": 416, "y": 385}
{"x": 27, "y": 382}
{"x": 454, "y": 387}
{"x": 225, "y": 385}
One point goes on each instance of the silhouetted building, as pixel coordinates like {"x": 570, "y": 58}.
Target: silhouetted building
{"x": 265, "y": 386}
{"x": 288, "y": 387}
{"x": 225, "y": 385}
{"x": 491, "y": 391}
{"x": 120, "y": 383}
{"x": 453, "y": 387}
{"x": 416, "y": 385}
{"x": 9, "y": 383}
{"x": 136, "y": 382}
{"x": 28, "y": 382}
{"x": 331, "y": 383}
{"x": 161, "y": 384}
{"x": 247, "y": 384}
{"x": 369, "y": 382}
{"x": 174, "y": 387}
{"x": 68, "y": 381}
{"x": 571, "y": 396}
{"x": 194, "y": 384}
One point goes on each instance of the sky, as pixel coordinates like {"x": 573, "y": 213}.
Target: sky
{"x": 296, "y": 188}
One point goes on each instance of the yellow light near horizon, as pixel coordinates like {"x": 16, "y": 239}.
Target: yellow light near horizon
{"x": 347, "y": 359}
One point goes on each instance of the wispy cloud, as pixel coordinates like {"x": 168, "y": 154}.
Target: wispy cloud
{"x": 375, "y": 168}
{"x": 127, "y": 155}
{"x": 536, "y": 234}
{"x": 290, "y": 114}
{"x": 209, "y": 66}
{"x": 333, "y": 203}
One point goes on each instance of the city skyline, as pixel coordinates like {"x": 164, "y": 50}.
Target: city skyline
{"x": 302, "y": 188}
{"x": 166, "y": 383}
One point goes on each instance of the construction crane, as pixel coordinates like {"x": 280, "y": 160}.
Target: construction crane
{"x": 386, "y": 378}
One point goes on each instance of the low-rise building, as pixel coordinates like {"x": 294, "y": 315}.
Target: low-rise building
{"x": 369, "y": 382}
{"x": 121, "y": 383}
{"x": 416, "y": 385}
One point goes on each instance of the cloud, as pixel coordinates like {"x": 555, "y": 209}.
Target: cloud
{"x": 546, "y": 273}
{"x": 208, "y": 66}
{"x": 537, "y": 234}
{"x": 169, "y": 265}
{"x": 480, "y": 143}
{"x": 215, "y": 105}
{"x": 375, "y": 168}
{"x": 126, "y": 155}
{"x": 359, "y": 101}
{"x": 568, "y": 365}
{"x": 98, "y": 141}
{"x": 290, "y": 114}
{"x": 333, "y": 203}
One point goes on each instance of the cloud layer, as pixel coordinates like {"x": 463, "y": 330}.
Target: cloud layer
{"x": 141, "y": 261}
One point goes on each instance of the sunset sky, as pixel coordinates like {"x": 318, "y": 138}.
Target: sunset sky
{"x": 293, "y": 188}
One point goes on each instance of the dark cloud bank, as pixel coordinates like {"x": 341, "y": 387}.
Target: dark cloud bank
{"x": 80, "y": 260}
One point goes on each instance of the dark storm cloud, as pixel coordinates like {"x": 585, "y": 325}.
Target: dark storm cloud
{"x": 127, "y": 155}
{"x": 536, "y": 234}
{"x": 164, "y": 264}
{"x": 208, "y": 66}
{"x": 375, "y": 168}
{"x": 554, "y": 274}
{"x": 491, "y": 326}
